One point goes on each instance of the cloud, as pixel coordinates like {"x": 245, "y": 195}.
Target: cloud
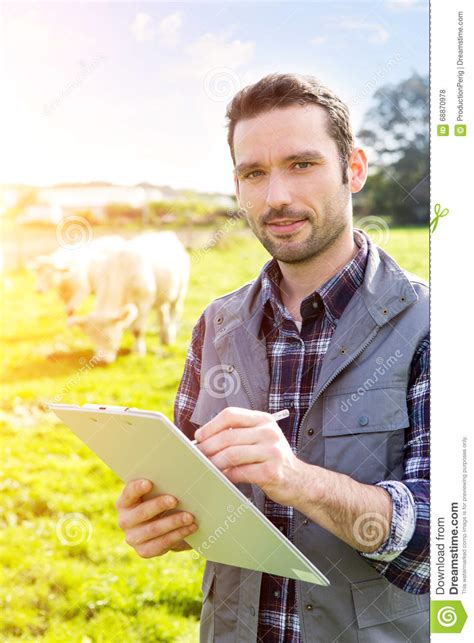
{"x": 376, "y": 33}
{"x": 216, "y": 50}
{"x": 319, "y": 40}
{"x": 169, "y": 29}
{"x": 141, "y": 27}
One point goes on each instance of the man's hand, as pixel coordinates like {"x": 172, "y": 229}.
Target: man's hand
{"x": 146, "y": 530}
{"x": 255, "y": 450}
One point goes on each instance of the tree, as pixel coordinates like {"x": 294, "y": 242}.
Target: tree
{"x": 397, "y": 131}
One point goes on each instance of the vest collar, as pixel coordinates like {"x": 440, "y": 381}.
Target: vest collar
{"x": 385, "y": 290}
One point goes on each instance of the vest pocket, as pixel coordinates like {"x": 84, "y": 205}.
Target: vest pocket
{"x": 364, "y": 433}
{"x": 208, "y": 405}
{"x": 385, "y": 612}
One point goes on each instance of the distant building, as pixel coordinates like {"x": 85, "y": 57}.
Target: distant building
{"x": 86, "y": 197}
{"x": 41, "y": 213}
{"x": 51, "y": 204}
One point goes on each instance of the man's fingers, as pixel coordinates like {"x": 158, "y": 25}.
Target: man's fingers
{"x": 158, "y": 527}
{"x": 235, "y": 456}
{"x": 162, "y": 544}
{"x": 132, "y": 492}
{"x": 225, "y": 439}
{"x": 180, "y": 546}
{"x": 232, "y": 416}
{"x": 145, "y": 511}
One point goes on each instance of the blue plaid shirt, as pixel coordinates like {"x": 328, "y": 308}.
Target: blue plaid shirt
{"x": 404, "y": 557}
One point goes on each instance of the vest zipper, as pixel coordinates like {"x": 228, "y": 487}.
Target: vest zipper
{"x": 330, "y": 380}
{"x": 246, "y": 389}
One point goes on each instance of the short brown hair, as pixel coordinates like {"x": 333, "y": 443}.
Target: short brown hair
{"x": 282, "y": 90}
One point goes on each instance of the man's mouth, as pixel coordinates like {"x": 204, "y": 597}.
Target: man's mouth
{"x": 286, "y": 225}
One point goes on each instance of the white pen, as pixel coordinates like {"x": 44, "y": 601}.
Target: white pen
{"x": 279, "y": 415}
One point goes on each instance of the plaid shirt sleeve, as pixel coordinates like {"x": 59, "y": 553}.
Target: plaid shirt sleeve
{"x": 404, "y": 557}
{"x": 188, "y": 389}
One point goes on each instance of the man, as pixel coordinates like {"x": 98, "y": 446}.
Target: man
{"x": 335, "y": 331}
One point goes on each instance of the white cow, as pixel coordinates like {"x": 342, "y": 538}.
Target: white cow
{"x": 74, "y": 272}
{"x": 152, "y": 270}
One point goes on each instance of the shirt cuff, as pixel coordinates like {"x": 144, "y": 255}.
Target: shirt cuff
{"x": 403, "y": 522}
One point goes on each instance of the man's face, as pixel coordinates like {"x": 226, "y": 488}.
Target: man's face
{"x": 289, "y": 181}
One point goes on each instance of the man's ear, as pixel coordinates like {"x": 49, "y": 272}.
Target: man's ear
{"x": 357, "y": 170}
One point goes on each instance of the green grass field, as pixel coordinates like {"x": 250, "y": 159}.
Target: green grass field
{"x": 73, "y": 578}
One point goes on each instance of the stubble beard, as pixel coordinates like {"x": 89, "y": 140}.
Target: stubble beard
{"x": 325, "y": 230}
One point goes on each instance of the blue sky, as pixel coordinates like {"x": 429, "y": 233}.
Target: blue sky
{"x": 132, "y": 91}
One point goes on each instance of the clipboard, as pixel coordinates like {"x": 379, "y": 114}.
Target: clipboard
{"x": 136, "y": 443}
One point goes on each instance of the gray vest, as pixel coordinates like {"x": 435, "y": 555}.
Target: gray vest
{"x": 355, "y": 425}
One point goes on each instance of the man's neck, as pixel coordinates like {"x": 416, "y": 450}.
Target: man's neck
{"x": 300, "y": 280}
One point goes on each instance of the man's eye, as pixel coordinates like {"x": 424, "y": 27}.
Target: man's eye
{"x": 305, "y": 165}
{"x": 253, "y": 174}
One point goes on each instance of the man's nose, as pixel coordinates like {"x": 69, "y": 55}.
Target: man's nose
{"x": 278, "y": 193}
